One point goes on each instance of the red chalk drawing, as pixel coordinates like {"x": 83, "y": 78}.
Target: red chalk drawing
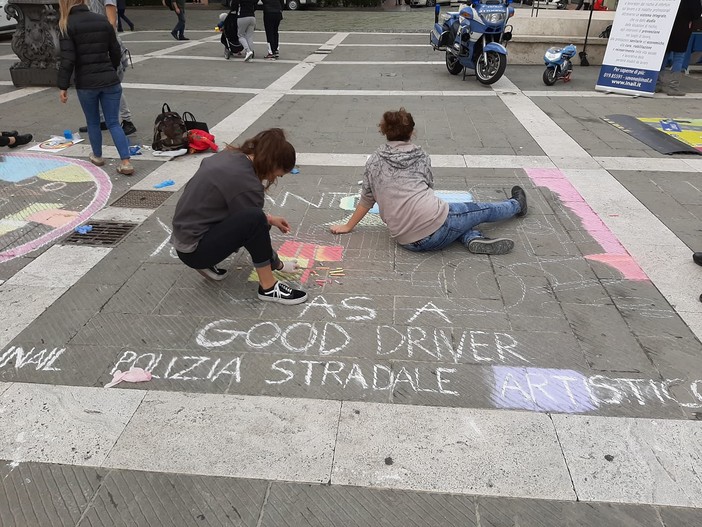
{"x": 615, "y": 254}
{"x": 306, "y": 255}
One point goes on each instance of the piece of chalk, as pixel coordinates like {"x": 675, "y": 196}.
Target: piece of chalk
{"x": 295, "y": 171}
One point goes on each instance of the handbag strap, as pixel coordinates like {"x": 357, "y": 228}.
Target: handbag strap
{"x": 185, "y": 117}
{"x": 165, "y": 108}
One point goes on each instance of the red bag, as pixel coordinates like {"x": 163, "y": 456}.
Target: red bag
{"x": 201, "y": 141}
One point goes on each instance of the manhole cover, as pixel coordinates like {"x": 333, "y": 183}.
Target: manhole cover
{"x": 103, "y": 234}
{"x": 142, "y": 199}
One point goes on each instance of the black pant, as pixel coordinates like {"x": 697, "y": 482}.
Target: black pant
{"x": 583, "y": 2}
{"x": 4, "y": 141}
{"x": 121, "y": 16}
{"x": 271, "y": 22}
{"x": 248, "y": 228}
{"x": 179, "y": 28}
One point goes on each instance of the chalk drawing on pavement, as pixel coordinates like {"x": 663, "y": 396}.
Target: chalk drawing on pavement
{"x": 43, "y": 197}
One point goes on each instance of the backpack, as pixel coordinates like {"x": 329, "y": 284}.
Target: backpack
{"x": 169, "y": 131}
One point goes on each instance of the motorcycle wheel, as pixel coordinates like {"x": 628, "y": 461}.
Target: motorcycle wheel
{"x": 550, "y": 76}
{"x": 490, "y": 72}
{"x": 452, "y": 65}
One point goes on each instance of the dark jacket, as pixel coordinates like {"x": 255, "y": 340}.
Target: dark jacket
{"x": 272, "y": 6}
{"x": 244, "y": 8}
{"x": 91, "y": 48}
{"x": 688, "y": 12}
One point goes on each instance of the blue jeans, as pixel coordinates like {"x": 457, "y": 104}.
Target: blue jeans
{"x": 461, "y": 222}
{"x": 179, "y": 28}
{"x": 108, "y": 98}
{"x": 676, "y": 59}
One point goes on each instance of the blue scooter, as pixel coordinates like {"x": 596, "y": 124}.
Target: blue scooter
{"x": 558, "y": 64}
{"x": 474, "y": 38}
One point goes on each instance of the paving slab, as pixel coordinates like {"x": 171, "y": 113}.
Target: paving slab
{"x": 46, "y": 494}
{"x": 424, "y": 452}
{"x": 32, "y": 414}
{"x": 144, "y": 498}
{"x": 632, "y": 461}
{"x": 321, "y": 506}
{"x": 292, "y": 439}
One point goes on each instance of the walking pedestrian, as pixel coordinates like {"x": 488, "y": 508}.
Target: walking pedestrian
{"x": 221, "y": 211}
{"x": 178, "y": 32}
{"x": 246, "y": 24}
{"x": 398, "y": 177}
{"x": 669, "y": 82}
{"x": 582, "y": 3}
{"x": 272, "y": 15}
{"x": 89, "y": 48}
{"x": 121, "y": 8}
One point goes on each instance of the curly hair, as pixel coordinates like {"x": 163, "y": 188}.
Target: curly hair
{"x": 397, "y": 126}
{"x": 271, "y": 151}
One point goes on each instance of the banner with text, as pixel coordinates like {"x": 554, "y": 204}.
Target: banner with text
{"x": 636, "y": 46}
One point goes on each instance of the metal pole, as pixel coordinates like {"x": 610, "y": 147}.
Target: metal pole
{"x": 437, "y": 10}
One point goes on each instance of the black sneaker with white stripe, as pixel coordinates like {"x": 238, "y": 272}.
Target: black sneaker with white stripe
{"x": 283, "y": 294}
{"x": 213, "y": 273}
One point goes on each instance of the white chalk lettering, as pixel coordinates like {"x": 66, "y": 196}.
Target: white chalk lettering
{"x": 323, "y": 343}
{"x": 334, "y": 372}
{"x": 441, "y": 381}
{"x": 599, "y": 381}
{"x": 288, "y": 373}
{"x": 357, "y": 375}
{"x": 387, "y": 371}
{"x": 196, "y": 362}
{"x": 370, "y": 313}
{"x": 426, "y": 309}
{"x": 225, "y": 371}
{"x": 318, "y": 301}
{"x": 311, "y": 337}
{"x": 42, "y": 359}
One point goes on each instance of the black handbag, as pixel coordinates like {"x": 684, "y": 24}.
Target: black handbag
{"x": 192, "y": 124}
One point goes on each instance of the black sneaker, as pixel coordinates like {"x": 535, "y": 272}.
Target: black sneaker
{"x": 213, "y": 273}
{"x": 283, "y": 294}
{"x": 490, "y": 245}
{"x": 13, "y": 133}
{"x": 519, "y": 194}
{"x": 128, "y": 127}
{"x": 174, "y": 34}
{"x": 697, "y": 258}
{"x": 83, "y": 129}
{"x": 21, "y": 140}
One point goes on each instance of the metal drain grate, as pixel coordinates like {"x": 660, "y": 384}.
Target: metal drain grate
{"x": 103, "y": 234}
{"x": 142, "y": 199}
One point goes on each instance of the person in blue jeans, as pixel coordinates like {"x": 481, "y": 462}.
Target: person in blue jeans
{"x": 398, "y": 178}
{"x": 89, "y": 47}
{"x": 669, "y": 81}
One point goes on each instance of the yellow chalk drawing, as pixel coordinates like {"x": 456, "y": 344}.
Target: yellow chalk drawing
{"x": 66, "y": 174}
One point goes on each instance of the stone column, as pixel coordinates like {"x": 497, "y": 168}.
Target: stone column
{"x": 35, "y": 42}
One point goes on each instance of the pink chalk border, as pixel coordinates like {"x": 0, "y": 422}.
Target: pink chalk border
{"x": 102, "y": 195}
{"x": 615, "y": 254}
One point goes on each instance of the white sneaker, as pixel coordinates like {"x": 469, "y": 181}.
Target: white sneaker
{"x": 249, "y": 56}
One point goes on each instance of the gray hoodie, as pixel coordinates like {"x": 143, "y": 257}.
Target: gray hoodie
{"x": 398, "y": 177}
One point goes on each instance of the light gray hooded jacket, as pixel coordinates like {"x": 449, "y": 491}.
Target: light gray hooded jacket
{"x": 398, "y": 177}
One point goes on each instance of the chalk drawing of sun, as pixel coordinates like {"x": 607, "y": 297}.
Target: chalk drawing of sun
{"x": 43, "y": 197}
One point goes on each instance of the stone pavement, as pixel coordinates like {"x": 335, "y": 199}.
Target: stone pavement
{"x": 558, "y": 385}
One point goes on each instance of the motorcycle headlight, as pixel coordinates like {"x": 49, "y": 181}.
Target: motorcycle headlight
{"x": 494, "y": 18}
{"x": 550, "y": 55}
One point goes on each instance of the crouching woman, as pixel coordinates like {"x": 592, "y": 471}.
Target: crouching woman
{"x": 221, "y": 210}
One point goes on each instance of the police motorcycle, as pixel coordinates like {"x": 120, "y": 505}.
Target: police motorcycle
{"x": 474, "y": 38}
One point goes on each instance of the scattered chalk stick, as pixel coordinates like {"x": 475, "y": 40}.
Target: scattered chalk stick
{"x": 84, "y": 229}
{"x": 295, "y": 171}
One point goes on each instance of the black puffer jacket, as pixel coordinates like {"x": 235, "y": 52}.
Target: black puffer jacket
{"x": 244, "y": 8}
{"x": 91, "y": 48}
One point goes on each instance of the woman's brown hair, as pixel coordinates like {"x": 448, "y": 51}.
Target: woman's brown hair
{"x": 65, "y": 7}
{"x": 271, "y": 151}
{"x": 397, "y": 126}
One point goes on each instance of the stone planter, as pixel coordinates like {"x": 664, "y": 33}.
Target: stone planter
{"x": 35, "y": 42}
